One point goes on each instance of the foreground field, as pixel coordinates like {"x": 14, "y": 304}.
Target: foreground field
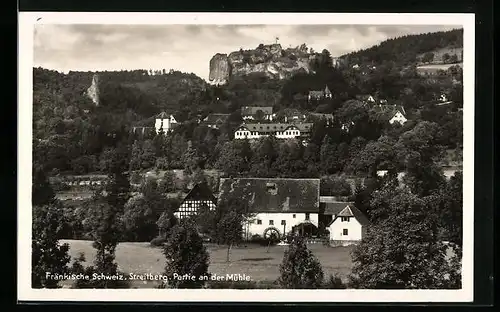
{"x": 254, "y": 261}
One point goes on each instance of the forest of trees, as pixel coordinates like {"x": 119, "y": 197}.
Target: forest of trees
{"x": 71, "y": 134}
{"x": 403, "y": 51}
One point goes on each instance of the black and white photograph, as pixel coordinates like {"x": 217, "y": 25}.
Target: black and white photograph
{"x": 172, "y": 155}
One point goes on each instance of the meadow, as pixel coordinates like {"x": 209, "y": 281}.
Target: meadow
{"x": 253, "y": 260}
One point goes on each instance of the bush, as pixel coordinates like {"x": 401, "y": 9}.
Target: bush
{"x": 158, "y": 241}
{"x": 334, "y": 282}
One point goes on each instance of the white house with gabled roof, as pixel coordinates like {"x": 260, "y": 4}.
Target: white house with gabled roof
{"x": 348, "y": 227}
{"x": 278, "y": 205}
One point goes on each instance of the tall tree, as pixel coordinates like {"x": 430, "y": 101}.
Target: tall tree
{"x": 185, "y": 256}
{"x": 401, "y": 249}
{"x": 49, "y": 257}
{"x": 42, "y": 192}
{"x": 300, "y": 269}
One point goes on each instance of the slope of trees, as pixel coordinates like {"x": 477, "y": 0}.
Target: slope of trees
{"x": 404, "y": 50}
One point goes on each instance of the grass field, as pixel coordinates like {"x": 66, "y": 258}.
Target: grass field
{"x": 434, "y": 68}
{"x": 254, "y": 261}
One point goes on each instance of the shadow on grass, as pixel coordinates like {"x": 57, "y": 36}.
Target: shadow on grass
{"x": 256, "y": 259}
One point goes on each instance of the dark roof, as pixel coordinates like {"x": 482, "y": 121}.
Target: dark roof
{"x": 274, "y": 194}
{"x": 216, "y": 118}
{"x": 386, "y": 112}
{"x": 352, "y": 211}
{"x": 291, "y": 112}
{"x": 274, "y": 127}
{"x": 316, "y": 93}
{"x": 164, "y": 115}
{"x": 364, "y": 97}
{"x": 321, "y": 115}
{"x": 333, "y": 208}
{"x": 201, "y": 191}
{"x": 252, "y": 110}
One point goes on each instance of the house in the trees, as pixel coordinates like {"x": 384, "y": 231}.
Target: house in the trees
{"x": 329, "y": 208}
{"x": 165, "y": 122}
{"x": 366, "y": 98}
{"x": 318, "y": 95}
{"x": 279, "y": 130}
{"x": 320, "y": 116}
{"x": 390, "y": 113}
{"x": 277, "y": 206}
{"x": 257, "y": 113}
{"x": 348, "y": 226}
{"x": 141, "y": 130}
{"x": 291, "y": 115}
{"x": 215, "y": 121}
{"x": 200, "y": 197}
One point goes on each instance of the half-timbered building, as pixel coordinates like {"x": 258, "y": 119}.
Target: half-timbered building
{"x": 200, "y": 197}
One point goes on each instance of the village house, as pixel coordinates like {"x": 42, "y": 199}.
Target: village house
{"x": 279, "y": 130}
{"x": 291, "y": 115}
{"x": 329, "y": 208}
{"x": 320, "y": 116}
{"x": 257, "y": 113}
{"x": 277, "y": 206}
{"x": 141, "y": 130}
{"x": 390, "y": 113}
{"x": 165, "y": 122}
{"x": 318, "y": 95}
{"x": 366, "y": 98}
{"x": 348, "y": 227}
{"x": 215, "y": 121}
{"x": 200, "y": 197}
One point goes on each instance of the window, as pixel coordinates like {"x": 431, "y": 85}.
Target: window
{"x": 307, "y": 216}
{"x": 283, "y": 222}
{"x": 259, "y": 221}
{"x": 271, "y": 222}
{"x": 294, "y": 216}
{"x": 345, "y": 232}
{"x": 189, "y": 205}
{"x": 344, "y": 219}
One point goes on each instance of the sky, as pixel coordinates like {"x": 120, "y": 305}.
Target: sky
{"x": 189, "y": 48}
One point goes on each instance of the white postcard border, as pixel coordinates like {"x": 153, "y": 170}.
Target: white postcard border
{"x": 27, "y": 20}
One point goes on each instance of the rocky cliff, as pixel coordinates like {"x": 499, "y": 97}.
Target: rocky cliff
{"x": 272, "y": 60}
{"x": 93, "y": 90}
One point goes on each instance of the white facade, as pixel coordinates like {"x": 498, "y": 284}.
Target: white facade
{"x": 289, "y": 133}
{"x": 265, "y": 220}
{"x": 269, "y": 117}
{"x": 165, "y": 123}
{"x": 398, "y": 117}
{"x": 346, "y": 229}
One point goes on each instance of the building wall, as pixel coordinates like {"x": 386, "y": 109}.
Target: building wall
{"x": 166, "y": 124}
{"x": 250, "y": 117}
{"x": 190, "y": 207}
{"x": 353, "y": 227}
{"x": 398, "y": 118}
{"x": 291, "y": 221}
{"x": 288, "y": 134}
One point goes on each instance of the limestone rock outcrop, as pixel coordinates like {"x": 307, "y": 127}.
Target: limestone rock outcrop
{"x": 219, "y": 69}
{"x": 93, "y": 90}
{"x": 271, "y": 60}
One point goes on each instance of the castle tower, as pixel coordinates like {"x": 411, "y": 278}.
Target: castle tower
{"x": 328, "y": 93}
